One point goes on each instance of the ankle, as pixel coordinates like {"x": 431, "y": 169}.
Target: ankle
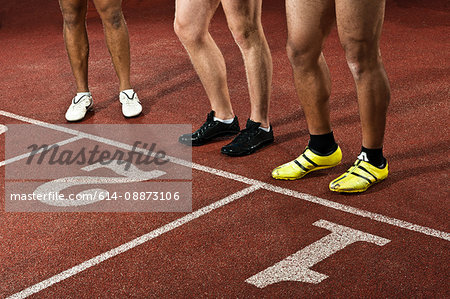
{"x": 322, "y": 144}
{"x": 373, "y": 156}
{"x": 223, "y": 115}
{"x": 263, "y": 121}
{"x": 123, "y": 87}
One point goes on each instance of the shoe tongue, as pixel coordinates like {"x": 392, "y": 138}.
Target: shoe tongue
{"x": 252, "y": 124}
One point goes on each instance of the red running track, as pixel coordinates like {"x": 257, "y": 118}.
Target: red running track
{"x": 215, "y": 254}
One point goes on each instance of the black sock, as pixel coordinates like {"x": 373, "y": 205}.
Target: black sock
{"x": 323, "y": 145}
{"x": 373, "y": 156}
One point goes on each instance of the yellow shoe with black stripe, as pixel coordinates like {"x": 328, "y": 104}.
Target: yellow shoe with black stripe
{"x": 359, "y": 177}
{"x": 305, "y": 163}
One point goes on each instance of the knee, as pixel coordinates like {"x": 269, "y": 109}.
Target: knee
{"x": 188, "y": 32}
{"x": 246, "y": 34}
{"x": 74, "y": 16}
{"x": 111, "y": 16}
{"x": 362, "y": 56}
{"x": 302, "y": 55}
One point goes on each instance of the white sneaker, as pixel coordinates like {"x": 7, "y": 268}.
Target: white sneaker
{"x": 130, "y": 106}
{"x": 77, "y": 110}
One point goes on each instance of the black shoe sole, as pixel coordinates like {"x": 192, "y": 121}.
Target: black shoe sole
{"x": 251, "y": 151}
{"x": 219, "y": 135}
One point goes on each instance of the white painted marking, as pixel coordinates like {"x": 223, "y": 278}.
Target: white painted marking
{"x": 307, "y": 197}
{"x": 260, "y": 185}
{"x": 134, "y": 174}
{"x": 20, "y": 157}
{"x": 133, "y": 243}
{"x": 128, "y": 147}
{"x": 297, "y": 266}
{"x": 358, "y": 212}
{"x": 3, "y": 129}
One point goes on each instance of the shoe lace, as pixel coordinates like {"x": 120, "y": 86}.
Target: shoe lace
{"x": 128, "y": 100}
{"x": 246, "y": 134}
{"x": 353, "y": 167}
{"x": 207, "y": 124}
{"x": 80, "y": 105}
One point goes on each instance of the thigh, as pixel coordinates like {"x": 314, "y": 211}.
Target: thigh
{"x": 195, "y": 13}
{"x": 360, "y": 22}
{"x": 309, "y": 22}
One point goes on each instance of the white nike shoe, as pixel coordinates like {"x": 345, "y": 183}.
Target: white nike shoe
{"x": 77, "y": 109}
{"x": 130, "y": 106}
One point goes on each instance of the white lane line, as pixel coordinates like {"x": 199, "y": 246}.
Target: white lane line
{"x": 133, "y": 243}
{"x": 358, "y": 212}
{"x": 3, "y": 129}
{"x": 38, "y": 122}
{"x": 128, "y": 147}
{"x": 310, "y": 198}
{"x": 23, "y": 156}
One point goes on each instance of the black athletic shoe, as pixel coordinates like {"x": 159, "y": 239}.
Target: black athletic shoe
{"x": 249, "y": 140}
{"x": 209, "y": 130}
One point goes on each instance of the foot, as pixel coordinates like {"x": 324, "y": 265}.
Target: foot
{"x": 131, "y": 106}
{"x": 305, "y": 163}
{"x": 79, "y": 107}
{"x": 249, "y": 140}
{"x": 209, "y": 130}
{"x": 359, "y": 177}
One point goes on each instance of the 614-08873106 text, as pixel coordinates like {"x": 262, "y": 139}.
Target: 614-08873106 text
{"x": 98, "y": 196}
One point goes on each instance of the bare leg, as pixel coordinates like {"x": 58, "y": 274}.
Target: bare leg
{"x": 309, "y": 23}
{"x": 192, "y": 20}
{"x": 359, "y": 26}
{"x": 76, "y": 40}
{"x": 117, "y": 39}
{"x": 244, "y": 20}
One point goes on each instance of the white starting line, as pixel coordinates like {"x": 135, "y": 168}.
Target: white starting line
{"x": 254, "y": 186}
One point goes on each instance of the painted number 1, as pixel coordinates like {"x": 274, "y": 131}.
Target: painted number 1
{"x": 297, "y": 266}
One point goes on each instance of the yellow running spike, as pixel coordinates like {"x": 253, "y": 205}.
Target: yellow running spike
{"x": 305, "y": 163}
{"x": 359, "y": 177}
